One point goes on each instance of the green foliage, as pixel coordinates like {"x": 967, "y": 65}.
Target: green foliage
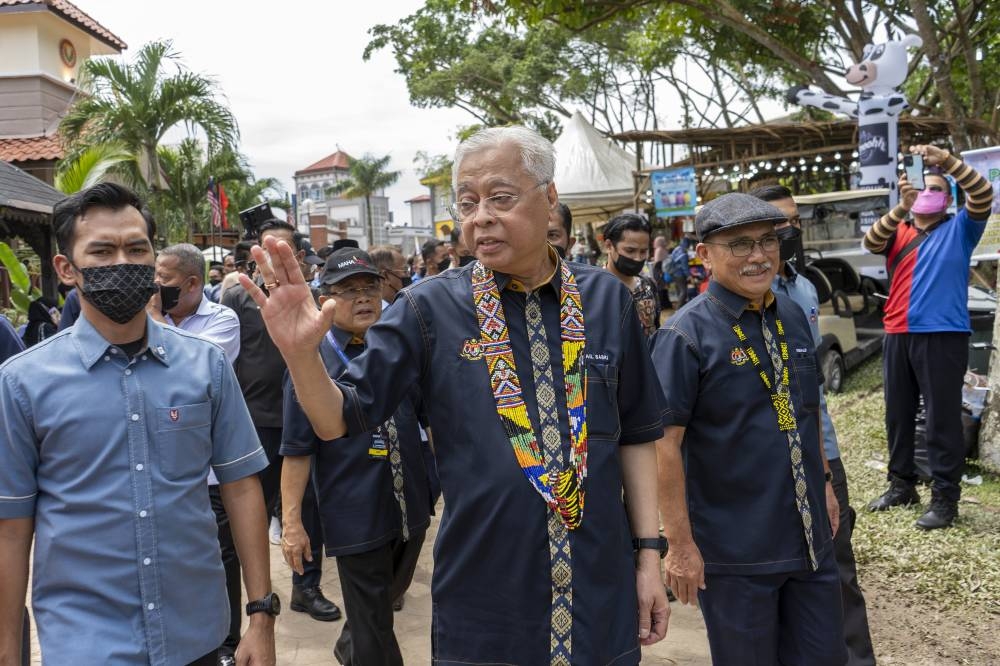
{"x": 92, "y": 165}
{"x": 22, "y": 293}
{"x": 367, "y": 176}
{"x": 434, "y": 170}
{"x": 135, "y": 104}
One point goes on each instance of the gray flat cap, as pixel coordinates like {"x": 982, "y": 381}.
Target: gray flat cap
{"x": 734, "y": 210}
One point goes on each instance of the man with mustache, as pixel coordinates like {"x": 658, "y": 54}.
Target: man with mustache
{"x": 745, "y": 506}
{"x": 926, "y": 348}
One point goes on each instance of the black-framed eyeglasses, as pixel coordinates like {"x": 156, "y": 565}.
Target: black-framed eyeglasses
{"x": 354, "y": 293}
{"x": 496, "y": 205}
{"x": 744, "y": 246}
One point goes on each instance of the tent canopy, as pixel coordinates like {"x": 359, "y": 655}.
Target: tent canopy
{"x": 593, "y": 175}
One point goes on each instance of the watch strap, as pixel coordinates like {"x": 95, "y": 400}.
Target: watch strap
{"x": 659, "y": 544}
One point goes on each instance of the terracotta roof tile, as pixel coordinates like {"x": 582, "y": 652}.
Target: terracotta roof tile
{"x": 338, "y": 160}
{"x": 33, "y": 148}
{"x": 74, "y": 15}
{"x": 419, "y": 199}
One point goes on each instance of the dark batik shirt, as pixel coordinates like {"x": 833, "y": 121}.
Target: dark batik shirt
{"x": 354, "y": 483}
{"x": 492, "y": 577}
{"x": 741, "y": 499}
{"x": 647, "y": 304}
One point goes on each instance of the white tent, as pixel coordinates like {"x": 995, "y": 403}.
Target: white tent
{"x": 593, "y": 174}
{"x": 215, "y": 253}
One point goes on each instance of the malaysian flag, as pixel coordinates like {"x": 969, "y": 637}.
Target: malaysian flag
{"x": 213, "y": 201}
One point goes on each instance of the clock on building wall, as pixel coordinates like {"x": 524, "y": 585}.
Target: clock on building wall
{"x": 67, "y": 52}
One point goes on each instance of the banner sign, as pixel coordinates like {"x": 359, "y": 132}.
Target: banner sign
{"x": 987, "y": 162}
{"x": 675, "y": 191}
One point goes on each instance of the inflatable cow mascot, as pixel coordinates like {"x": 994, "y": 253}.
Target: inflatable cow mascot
{"x": 879, "y": 74}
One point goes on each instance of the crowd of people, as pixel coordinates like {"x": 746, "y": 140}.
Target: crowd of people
{"x": 329, "y": 398}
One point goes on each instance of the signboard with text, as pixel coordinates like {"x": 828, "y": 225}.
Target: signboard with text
{"x": 987, "y": 162}
{"x": 675, "y": 191}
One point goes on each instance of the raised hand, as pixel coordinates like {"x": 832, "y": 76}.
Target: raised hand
{"x": 293, "y": 321}
{"x": 933, "y": 156}
{"x": 907, "y": 193}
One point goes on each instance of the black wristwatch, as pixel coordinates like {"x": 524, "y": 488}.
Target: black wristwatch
{"x": 828, "y": 476}
{"x": 658, "y": 544}
{"x": 270, "y": 604}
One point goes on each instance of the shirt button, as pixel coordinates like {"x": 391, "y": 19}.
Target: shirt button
{"x": 150, "y": 606}
{"x": 143, "y": 357}
{"x": 147, "y": 561}
{"x": 138, "y": 467}
{"x": 142, "y": 514}
{"x": 128, "y": 372}
{"x": 135, "y": 417}
{"x": 114, "y": 351}
{"x": 107, "y": 358}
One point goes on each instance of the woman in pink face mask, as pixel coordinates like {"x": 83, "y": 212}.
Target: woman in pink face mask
{"x": 930, "y": 204}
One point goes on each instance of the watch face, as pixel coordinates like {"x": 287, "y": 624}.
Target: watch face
{"x": 275, "y": 604}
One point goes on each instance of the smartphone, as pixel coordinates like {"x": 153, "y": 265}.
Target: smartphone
{"x": 914, "y": 166}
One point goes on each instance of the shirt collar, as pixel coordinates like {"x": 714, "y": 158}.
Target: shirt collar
{"x": 204, "y": 309}
{"x": 554, "y": 279}
{"x": 92, "y": 346}
{"x": 788, "y": 275}
{"x": 342, "y": 337}
{"x": 735, "y": 304}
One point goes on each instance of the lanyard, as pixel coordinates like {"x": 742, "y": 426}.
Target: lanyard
{"x": 336, "y": 348}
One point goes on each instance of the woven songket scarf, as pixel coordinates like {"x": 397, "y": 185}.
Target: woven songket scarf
{"x": 564, "y": 494}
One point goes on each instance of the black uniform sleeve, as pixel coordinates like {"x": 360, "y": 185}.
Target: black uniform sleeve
{"x": 678, "y": 365}
{"x": 640, "y": 401}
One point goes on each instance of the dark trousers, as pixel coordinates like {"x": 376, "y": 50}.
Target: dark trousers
{"x": 270, "y": 481}
{"x": 210, "y": 659}
{"x": 231, "y": 565}
{"x": 788, "y": 618}
{"x": 932, "y": 365}
{"x": 857, "y": 637}
{"x": 370, "y": 582}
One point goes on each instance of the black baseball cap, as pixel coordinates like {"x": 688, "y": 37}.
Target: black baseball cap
{"x": 734, "y": 210}
{"x": 348, "y": 262}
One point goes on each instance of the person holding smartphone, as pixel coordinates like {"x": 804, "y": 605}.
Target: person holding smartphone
{"x": 926, "y": 348}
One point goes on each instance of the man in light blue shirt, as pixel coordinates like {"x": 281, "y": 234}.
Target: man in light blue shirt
{"x": 181, "y": 300}
{"x": 857, "y": 636}
{"x": 107, "y": 433}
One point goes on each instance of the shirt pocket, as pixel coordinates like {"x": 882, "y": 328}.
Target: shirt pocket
{"x": 807, "y": 380}
{"x": 602, "y": 402}
{"x": 184, "y": 438}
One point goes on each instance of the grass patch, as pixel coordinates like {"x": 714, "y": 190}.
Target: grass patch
{"x": 958, "y": 567}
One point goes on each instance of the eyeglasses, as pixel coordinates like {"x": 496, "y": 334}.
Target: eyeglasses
{"x": 495, "y": 205}
{"x": 406, "y": 272}
{"x": 354, "y": 293}
{"x": 744, "y": 246}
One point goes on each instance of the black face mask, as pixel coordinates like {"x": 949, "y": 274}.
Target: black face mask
{"x": 214, "y": 281}
{"x": 444, "y": 265}
{"x": 405, "y": 281}
{"x": 169, "y": 297}
{"x": 465, "y": 260}
{"x": 119, "y": 291}
{"x": 791, "y": 241}
{"x": 628, "y": 266}
{"x": 560, "y": 250}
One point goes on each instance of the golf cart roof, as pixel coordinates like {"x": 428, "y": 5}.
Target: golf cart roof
{"x": 843, "y": 195}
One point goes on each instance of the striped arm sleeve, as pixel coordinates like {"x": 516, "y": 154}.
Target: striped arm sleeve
{"x": 978, "y": 191}
{"x": 878, "y": 236}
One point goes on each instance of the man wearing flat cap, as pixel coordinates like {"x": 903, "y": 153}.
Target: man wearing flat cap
{"x": 371, "y": 487}
{"x": 743, "y": 498}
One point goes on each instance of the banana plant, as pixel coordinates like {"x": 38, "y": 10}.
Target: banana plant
{"x": 21, "y": 293}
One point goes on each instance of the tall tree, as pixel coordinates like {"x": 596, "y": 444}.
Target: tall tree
{"x": 95, "y": 164}
{"x": 366, "y": 177}
{"x": 136, "y": 103}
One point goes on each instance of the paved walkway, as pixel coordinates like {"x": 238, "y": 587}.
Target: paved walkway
{"x": 302, "y": 641}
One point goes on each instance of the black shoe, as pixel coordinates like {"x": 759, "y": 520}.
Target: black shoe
{"x": 311, "y": 600}
{"x": 941, "y": 513}
{"x": 397, "y": 605}
{"x": 900, "y": 493}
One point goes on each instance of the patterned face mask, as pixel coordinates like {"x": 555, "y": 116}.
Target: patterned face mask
{"x": 119, "y": 291}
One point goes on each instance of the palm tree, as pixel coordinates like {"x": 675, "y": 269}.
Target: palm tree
{"x": 95, "y": 164}
{"x": 136, "y": 103}
{"x": 366, "y": 177}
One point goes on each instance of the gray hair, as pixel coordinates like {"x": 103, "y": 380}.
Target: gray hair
{"x": 190, "y": 260}
{"x": 538, "y": 156}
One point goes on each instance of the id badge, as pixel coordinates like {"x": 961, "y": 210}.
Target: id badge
{"x": 378, "y": 449}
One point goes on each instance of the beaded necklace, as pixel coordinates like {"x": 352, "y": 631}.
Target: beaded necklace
{"x": 779, "y": 397}
{"x": 564, "y": 494}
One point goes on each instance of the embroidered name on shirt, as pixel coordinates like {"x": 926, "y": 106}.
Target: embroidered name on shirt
{"x": 472, "y": 350}
{"x": 737, "y": 356}
{"x": 801, "y": 350}
{"x": 175, "y": 415}
{"x": 603, "y": 358}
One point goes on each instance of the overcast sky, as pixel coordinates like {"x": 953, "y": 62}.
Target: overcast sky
{"x": 295, "y": 79}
